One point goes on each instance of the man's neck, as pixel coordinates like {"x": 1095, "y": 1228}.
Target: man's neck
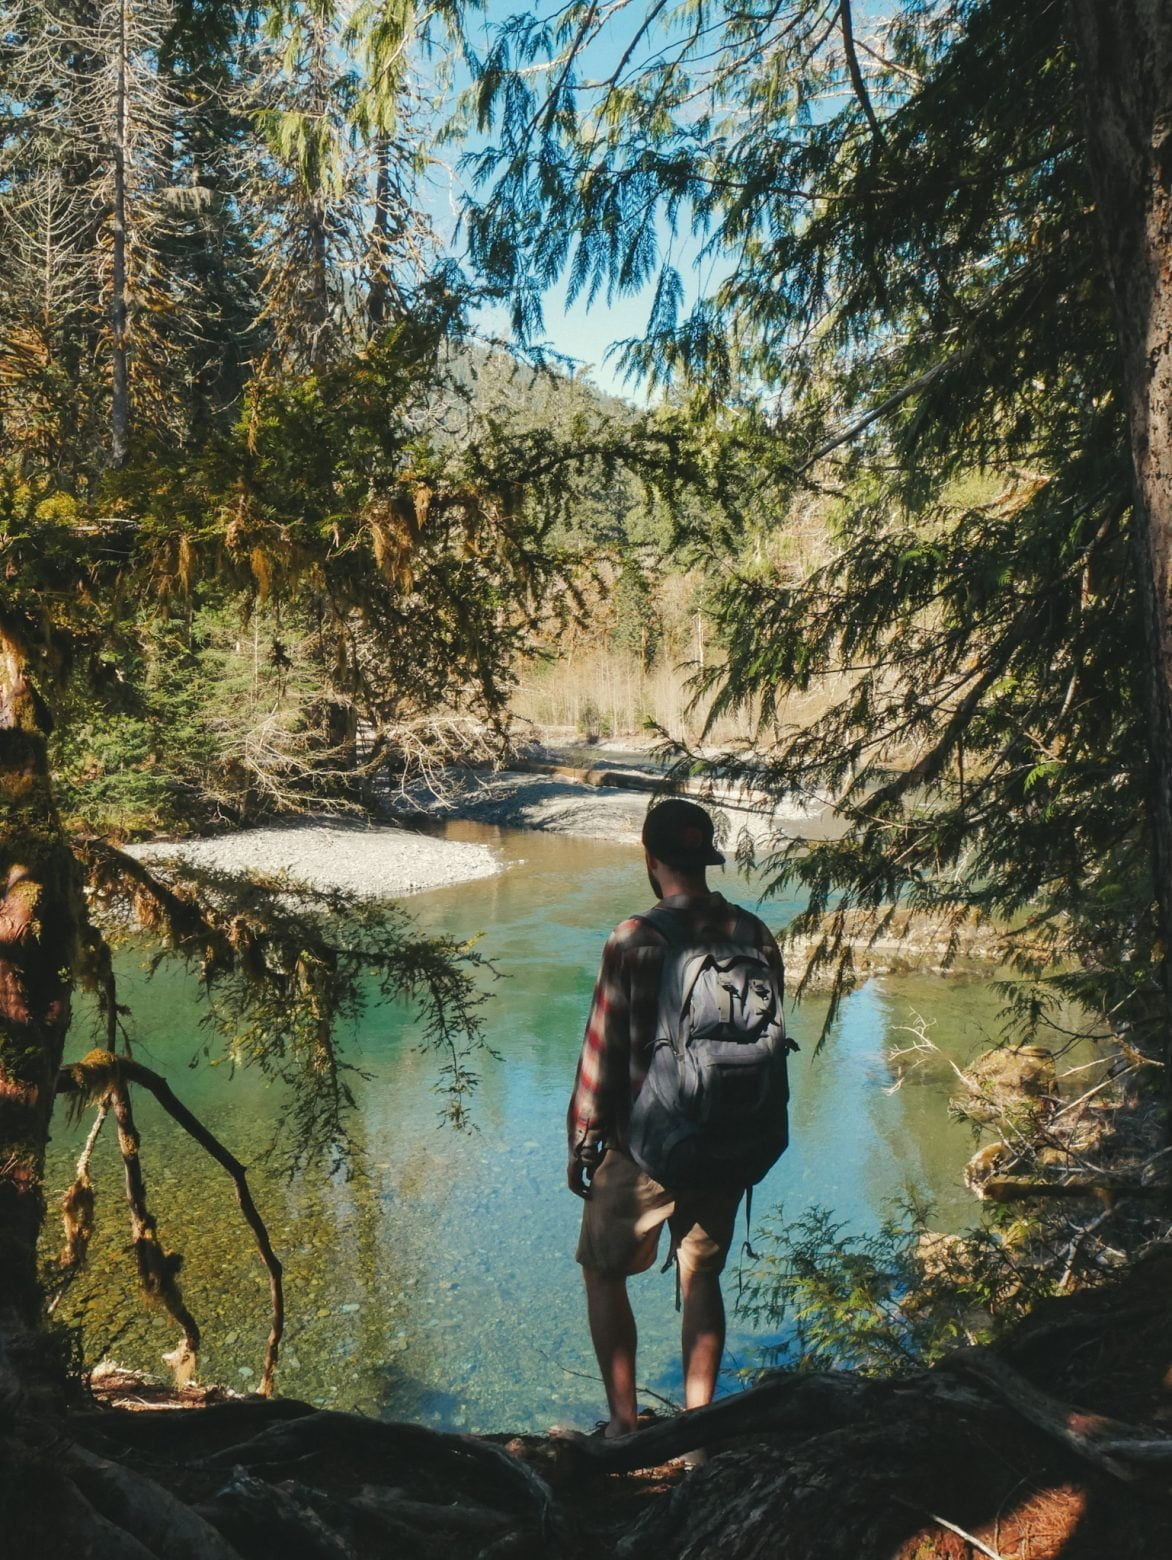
{"x": 691, "y": 885}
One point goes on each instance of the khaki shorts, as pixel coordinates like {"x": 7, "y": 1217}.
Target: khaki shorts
{"x": 626, "y": 1210}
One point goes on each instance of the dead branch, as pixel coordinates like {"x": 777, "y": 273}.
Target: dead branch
{"x": 135, "y": 1072}
{"x": 157, "y": 1269}
{"x": 191, "y": 1124}
{"x": 77, "y": 1210}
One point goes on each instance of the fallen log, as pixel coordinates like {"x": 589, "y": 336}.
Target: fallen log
{"x": 741, "y": 800}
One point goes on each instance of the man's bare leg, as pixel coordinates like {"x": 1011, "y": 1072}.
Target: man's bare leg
{"x": 612, "y": 1331}
{"x": 702, "y": 1335}
{"x": 702, "y": 1338}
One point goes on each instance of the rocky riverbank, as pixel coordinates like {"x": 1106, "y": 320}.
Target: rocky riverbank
{"x": 595, "y": 802}
{"x": 408, "y": 856}
{"x": 907, "y": 944}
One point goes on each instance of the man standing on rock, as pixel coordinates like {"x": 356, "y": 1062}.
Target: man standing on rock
{"x": 682, "y": 1072}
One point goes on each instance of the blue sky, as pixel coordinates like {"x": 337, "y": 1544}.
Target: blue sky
{"x": 583, "y": 332}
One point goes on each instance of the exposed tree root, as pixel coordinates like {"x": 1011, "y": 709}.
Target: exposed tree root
{"x": 268, "y": 1519}
{"x": 331, "y": 1430}
{"x": 1122, "y": 1450}
{"x": 812, "y": 1403}
{"x": 982, "y": 1456}
{"x": 164, "y": 1525}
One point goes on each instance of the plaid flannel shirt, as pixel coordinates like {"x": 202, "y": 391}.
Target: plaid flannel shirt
{"x": 624, "y": 1016}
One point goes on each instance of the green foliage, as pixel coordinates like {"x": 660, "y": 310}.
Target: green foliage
{"x": 286, "y": 967}
{"x": 883, "y": 1303}
{"x": 214, "y": 627}
{"x": 638, "y": 620}
{"x": 219, "y": 715}
{"x": 910, "y": 320}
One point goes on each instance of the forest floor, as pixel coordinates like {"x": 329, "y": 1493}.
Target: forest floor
{"x": 1055, "y": 1445}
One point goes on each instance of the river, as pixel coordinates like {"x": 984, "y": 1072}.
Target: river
{"x": 438, "y": 1284}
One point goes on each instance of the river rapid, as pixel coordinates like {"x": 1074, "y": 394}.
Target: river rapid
{"x": 436, "y": 1283}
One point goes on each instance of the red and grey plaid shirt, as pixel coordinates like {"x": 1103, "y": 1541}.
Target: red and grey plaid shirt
{"x": 621, "y": 1029}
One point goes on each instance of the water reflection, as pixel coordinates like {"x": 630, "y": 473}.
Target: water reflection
{"x": 438, "y": 1283}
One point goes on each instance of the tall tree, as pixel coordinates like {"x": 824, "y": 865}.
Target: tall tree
{"x": 902, "y": 216}
{"x": 1125, "y": 59}
{"x": 115, "y": 204}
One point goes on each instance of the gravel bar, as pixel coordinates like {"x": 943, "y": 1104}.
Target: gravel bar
{"x": 373, "y": 861}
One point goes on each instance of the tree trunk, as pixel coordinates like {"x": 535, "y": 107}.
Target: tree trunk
{"x": 378, "y": 296}
{"x": 120, "y": 368}
{"x": 38, "y": 934}
{"x": 1124, "y": 48}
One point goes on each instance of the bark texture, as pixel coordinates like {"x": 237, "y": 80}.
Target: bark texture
{"x": 1124, "y": 49}
{"x": 38, "y": 935}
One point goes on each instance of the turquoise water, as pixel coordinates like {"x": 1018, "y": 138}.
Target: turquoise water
{"x": 438, "y": 1284}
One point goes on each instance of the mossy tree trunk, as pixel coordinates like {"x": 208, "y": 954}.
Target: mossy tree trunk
{"x": 38, "y": 939}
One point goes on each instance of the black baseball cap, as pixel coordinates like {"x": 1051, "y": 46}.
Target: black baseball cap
{"x": 679, "y": 834}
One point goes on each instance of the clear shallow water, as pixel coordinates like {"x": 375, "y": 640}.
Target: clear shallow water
{"x": 439, "y": 1283}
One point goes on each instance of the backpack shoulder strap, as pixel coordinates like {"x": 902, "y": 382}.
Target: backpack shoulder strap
{"x": 666, "y": 922}
{"x": 744, "y": 929}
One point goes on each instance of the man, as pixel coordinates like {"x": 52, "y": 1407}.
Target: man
{"x": 625, "y": 1209}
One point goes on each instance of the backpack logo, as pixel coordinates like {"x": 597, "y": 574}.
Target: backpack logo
{"x": 713, "y": 1108}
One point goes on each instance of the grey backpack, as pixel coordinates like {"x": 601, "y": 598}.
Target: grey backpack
{"x": 713, "y": 1109}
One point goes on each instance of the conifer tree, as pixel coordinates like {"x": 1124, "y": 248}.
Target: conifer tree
{"x": 907, "y": 219}
{"x": 112, "y": 212}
